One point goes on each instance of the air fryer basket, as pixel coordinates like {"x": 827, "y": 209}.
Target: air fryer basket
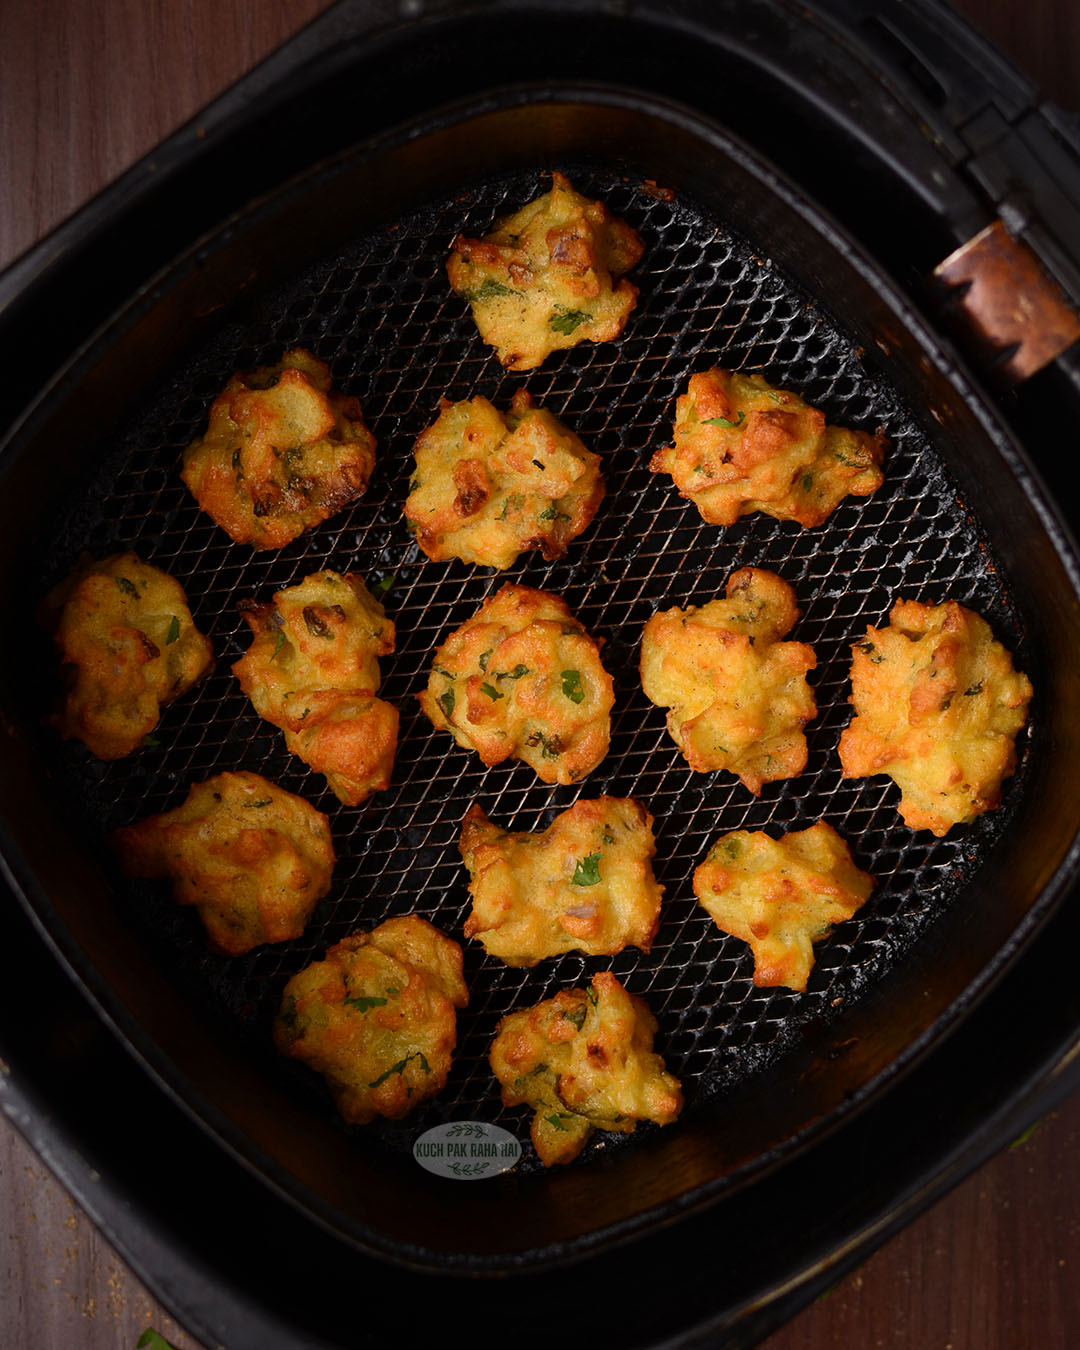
{"x": 738, "y": 270}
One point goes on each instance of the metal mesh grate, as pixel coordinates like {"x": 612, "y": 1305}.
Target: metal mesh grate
{"x": 381, "y": 313}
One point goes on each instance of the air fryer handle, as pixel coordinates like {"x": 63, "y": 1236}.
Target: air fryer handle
{"x": 1019, "y": 158}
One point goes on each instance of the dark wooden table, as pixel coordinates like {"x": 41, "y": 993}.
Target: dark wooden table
{"x": 85, "y": 89}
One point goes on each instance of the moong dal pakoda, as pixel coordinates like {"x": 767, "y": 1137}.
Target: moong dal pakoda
{"x": 523, "y": 679}
{"x": 128, "y": 645}
{"x": 376, "y": 1017}
{"x": 281, "y": 453}
{"x": 548, "y": 276}
{"x": 736, "y": 693}
{"x": 584, "y": 884}
{"x": 489, "y": 487}
{"x": 743, "y": 446}
{"x": 938, "y": 706}
{"x": 781, "y": 895}
{"x": 313, "y": 670}
{"x": 252, "y": 859}
{"x": 584, "y": 1061}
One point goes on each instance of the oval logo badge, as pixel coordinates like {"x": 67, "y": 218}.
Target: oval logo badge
{"x": 467, "y": 1150}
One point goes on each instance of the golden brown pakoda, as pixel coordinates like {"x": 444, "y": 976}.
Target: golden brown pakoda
{"x": 549, "y": 276}
{"x": 253, "y": 859}
{"x": 742, "y": 446}
{"x": 128, "y": 645}
{"x": 584, "y": 1061}
{"x": 736, "y": 694}
{"x": 313, "y": 671}
{"x": 584, "y": 884}
{"x": 938, "y": 706}
{"x": 781, "y": 895}
{"x": 376, "y": 1017}
{"x": 522, "y": 678}
{"x": 488, "y": 487}
{"x": 281, "y": 453}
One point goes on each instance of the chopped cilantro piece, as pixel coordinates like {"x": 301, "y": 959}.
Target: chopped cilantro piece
{"x": 553, "y": 513}
{"x": 807, "y": 481}
{"x": 174, "y": 630}
{"x": 513, "y": 503}
{"x": 587, "y": 870}
{"x": 576, "y": 1017}
{"x": 128, "y": 587}
{"x": 514, "y": 674}
{"x": 491, "y": 692}
{"x": 566, "y": 320}
{"x": 488, "y": 289}
{"x": 263, "y": 801}
{"x": 279, "y": 642}
{"x": 571, "y": 685}
{"x": 724, "y": 422}
{"x": 446, "y": 702}
{"x": 153, "y": 1340}
{"x": 399, "y": 1067}
{"x": 590, "y": 994}
{"x": 365, "y": 1003}
{"x": 557, "y": 1119}
{"x": 485, "y": 657}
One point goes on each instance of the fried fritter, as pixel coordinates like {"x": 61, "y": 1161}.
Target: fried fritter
{"x": 742, "y": 446}
{"x": 584, "y": 1061}
{"x": 128, "y": 645}
{"x": 938, "y": 706}
{"x": 376, "y": 1017}
{"x": 583, "y": 884}
{"x": 281, "y": 453}
{"x": 548, "y": 276}
{"x": 252, "y": 858}
{"x": 781, "y": 895}
{"x": 522, "y": 678}
{"x": 313, "y": 671}
{"x": 736, "y": 693}
{"x": 489, "y": 487}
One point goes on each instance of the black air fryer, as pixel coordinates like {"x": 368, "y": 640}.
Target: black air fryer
{"x": 863, "y": 202}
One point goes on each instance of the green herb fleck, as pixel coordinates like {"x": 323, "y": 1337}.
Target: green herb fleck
{"x": 414, "y": 483}
{"x": 365, "y": 1003}
{"x": 174, "y": 630}
{"x": 571, "y": 686}
{"x": 1022, "y": 1139}
{"x": 512, "y": 503}
{"x": 151, "y": 742}
{"x": 485, "y": 657}
{"x": 399, "y": 1067}
{"x": 491, "y": 692}
{"x": 587, "y": 870}
{"x": 551, "y": 747}
{"x": 263, "y": 801}
{"x": 607, "y": 836}
{"x": 732, "y": 847}
{"x": 566, "y": 320}
{"x": 553, "y": 513}
{"x": 576, "y": 1017}
{"x": 557, "y": 1120}
{"x": 723, "y": 422}
{"x": 590, "y": 994}
{"x": 872, "y": 652}
{"x": 853, "y": 461}
{"x": 514, "y": 674}
{"x": 279, "y": 642}
{"x": 153, "y": 1340}
{"x": 441, "y": 670}
{"x": 446, "y": 702}
{"x": 128, "y": 587}
{"x": 384, "y": 583}
{"x": 807, "y": 481}
{"x": 287, "y": 1015}
{"x": 488, "y": 289}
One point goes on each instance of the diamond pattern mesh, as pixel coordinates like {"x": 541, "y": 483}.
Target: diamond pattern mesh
{"x": 381, "y": 313}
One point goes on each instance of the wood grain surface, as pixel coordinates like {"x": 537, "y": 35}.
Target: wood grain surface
{"x": 85, "y": 89}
